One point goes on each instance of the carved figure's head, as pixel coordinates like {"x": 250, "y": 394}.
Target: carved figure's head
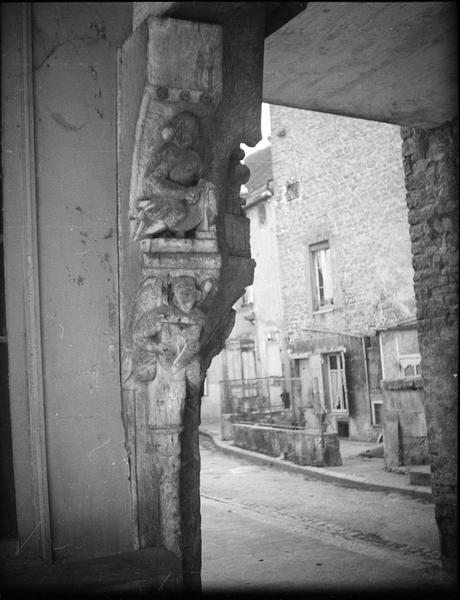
{"x": 182, "y": 129}
{"x": 184, "y": 292}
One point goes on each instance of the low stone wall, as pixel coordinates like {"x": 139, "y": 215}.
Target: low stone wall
{"x": 404, "y": 425}
{"x": 301, "y": 446}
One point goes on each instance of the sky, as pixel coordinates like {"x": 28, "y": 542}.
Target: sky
{"x": 266, "y": 131}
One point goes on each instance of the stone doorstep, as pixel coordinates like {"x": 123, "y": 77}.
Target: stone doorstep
{"x": 136, "y": 572}
{"x": 420, "y": 475}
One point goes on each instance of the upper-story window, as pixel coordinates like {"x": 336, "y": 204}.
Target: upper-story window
{"x": 409, "y": 365}
{"x": 240, "y": 359}
{"x": 399, "y": 350}
{"x": 291, "y": 190}
{"x": 408, "y": 353}
{"x": 323, "y": 295}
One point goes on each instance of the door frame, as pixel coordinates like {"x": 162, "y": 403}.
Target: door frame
{"x": 22, "y": 290}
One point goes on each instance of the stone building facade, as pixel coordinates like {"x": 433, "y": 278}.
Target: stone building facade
{"x": 254, "y": 347}
{"x": 350, "y": 191}
{"x": 327, "y": 200}
{"x": 344, "y": 249}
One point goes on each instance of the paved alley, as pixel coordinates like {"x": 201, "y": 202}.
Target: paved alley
{"x": 265, "y": 529}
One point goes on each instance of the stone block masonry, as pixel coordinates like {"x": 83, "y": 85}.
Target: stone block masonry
{"x": 350, "y": 193}
{"x": 404, "y": 423}
{"x": 346, "y": 192}
{"x": 431, "y": 171}
{"x": 299, "y": 446}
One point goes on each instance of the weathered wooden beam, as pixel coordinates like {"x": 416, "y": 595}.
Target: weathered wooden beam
{"x": 211, "y": 12}
{"x": 277, "y": 14}
{"x": 189, "y": 94}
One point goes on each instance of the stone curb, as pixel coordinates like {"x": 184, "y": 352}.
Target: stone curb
{"x": 317, "y": 472}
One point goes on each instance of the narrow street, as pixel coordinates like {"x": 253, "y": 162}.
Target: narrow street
{"x": 272, "y": 530}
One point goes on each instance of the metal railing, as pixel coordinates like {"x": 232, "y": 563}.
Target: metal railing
{"x": 268, "y": 400}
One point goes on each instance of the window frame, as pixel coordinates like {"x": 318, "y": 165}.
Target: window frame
{"x": 235, "y": 349}
{"x": 313, "y": 249}
{"x": 342, "y": 376}
{"x": 374, "y": 420}
{"x": 409, "y": 360}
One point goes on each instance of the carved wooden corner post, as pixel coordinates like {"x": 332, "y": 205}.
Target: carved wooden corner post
{"x": 189, "y": 95}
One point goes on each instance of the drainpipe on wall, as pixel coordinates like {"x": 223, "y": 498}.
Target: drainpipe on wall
{"x": 367, "y": 379}
{"x": 381, "y": 355}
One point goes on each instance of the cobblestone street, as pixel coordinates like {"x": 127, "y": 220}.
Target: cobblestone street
{"x": 285, "y": 531}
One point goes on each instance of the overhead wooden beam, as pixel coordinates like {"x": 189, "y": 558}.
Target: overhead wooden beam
{"x": 277, "y": 14}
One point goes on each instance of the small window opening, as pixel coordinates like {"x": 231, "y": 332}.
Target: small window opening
{"x": 323, "y": 295}
{"x": 291, "y": 190}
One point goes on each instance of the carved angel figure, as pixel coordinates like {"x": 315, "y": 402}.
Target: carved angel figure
{"x": 174, "y": 185}
{"x": 168, "y": 333}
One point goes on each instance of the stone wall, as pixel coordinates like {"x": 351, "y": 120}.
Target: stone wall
{"x": 430, "y": 164}
{"x": 299, "y": 446}
{"x": 404, "y": 424}
{"x": 267, "y": 305}
{"x": 351, "y": 192}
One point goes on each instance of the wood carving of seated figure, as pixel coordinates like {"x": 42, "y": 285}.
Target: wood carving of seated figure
{"x": 169, "y": 334}
{"x": 175, "y": 191}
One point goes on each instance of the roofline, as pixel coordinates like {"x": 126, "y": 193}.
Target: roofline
{"x": 409, "y": 323}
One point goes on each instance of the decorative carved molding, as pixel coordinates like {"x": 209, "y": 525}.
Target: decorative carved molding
{"x": 185, "y": 256}
{"x": 238, "y": 174}
{"x": 167, "y": 327}
{"x": 173, "y": 207}
{"x": 175, "y": 198}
